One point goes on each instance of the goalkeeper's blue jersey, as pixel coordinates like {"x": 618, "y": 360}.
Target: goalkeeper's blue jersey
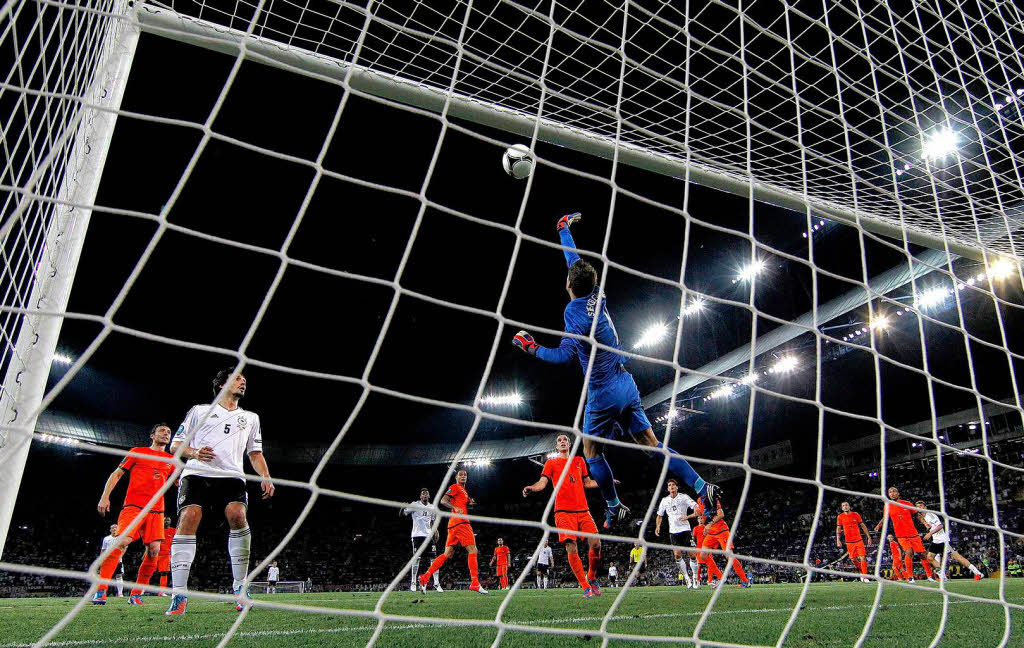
{"x": 579, "y": 316}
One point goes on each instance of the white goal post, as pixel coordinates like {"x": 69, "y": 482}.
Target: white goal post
{"x": 282, "y": 587}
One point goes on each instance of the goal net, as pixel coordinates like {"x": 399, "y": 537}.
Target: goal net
{"x": 805, "y": 219}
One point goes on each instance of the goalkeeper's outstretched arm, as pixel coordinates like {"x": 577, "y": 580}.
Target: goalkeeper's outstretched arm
{"x": 563, "y": 233}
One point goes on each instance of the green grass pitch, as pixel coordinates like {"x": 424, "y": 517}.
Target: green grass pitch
{"x": 834, "y": 614}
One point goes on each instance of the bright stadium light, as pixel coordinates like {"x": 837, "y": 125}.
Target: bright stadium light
{"x": 939, "y": 144}
{"x": 477, "y": 462}
{"x": 512, "y": 400}
{"x": 785, "y": 364}
{"x": 749, "y": 379}
{"x": 61, "y": 358}
{"x": 552, "y": 455}
{"x": 652, "y": 335}
{"x": 695, "y": 306}
{"x": 750, "y": 271}
{"x": 880, "y": 322}
{"x": 932, "y": 297}
{"x": 1001, "y": 269}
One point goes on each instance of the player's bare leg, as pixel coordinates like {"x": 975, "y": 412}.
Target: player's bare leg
{"x": 955, "y": 555}
{"x": 239, "y": 541}
{"x": 183, "y": 552}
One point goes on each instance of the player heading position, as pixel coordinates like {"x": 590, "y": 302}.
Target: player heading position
{"x": 940, "y": 546}
{"x": 680, "y": 509}
{"x": 849, "y": 524}
{"x": 901, "y": 512}
{"x": 572, "y": 514}
{"x": 423, "y": 515}
{"x": 164, "y": 559}
{"x": 457, "y": 499}
{"x": 501, "y": 557}
{"x": 147, "y": 477}
{"x": 612, "y": 396}
{"x": 717, "y": 536}
{"x": 216, "y": 438}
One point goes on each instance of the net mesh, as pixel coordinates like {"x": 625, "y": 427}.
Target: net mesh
{"x": 833, "y": 104}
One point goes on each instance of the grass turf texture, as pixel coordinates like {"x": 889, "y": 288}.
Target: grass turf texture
{"x": 834, "y": 614}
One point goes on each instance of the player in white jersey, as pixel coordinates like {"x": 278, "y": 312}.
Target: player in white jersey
{"x": 545, "y": 561}
{"x": 613, "y": 574}
{"x": 938, "y": 542}
{"x": 119, "y": 571}
{"x": 423, "y": 515}
{"x": 216, "y": 438}
{"x": 679, "y": 509}
{"x": 273, "y": 574}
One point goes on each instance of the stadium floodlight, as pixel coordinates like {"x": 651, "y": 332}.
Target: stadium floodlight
{"x": 694, "y": 306}
{"x": 880, "y": 322}
{"x": 722, "y": 392}
{"x": 749, "y": 379}
{"x": 477, "y": 462}
{"x": 785, "y": 364}
{"x": 939, "y": 144}
{"x": 1001, "y": 269}
{"x": 932, "y": 297}
{"x": 511, "y": 400}
{"x": 652, "y": 335}
{"x": 61, "y": 358}
{"x": 750, "y": 271}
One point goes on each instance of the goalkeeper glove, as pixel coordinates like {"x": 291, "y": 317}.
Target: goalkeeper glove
{"x": 525, "y": 341}
{"x": 567, "y": 220}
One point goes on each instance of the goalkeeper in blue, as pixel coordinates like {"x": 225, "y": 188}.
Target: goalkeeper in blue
{"x": 613, "y": 400}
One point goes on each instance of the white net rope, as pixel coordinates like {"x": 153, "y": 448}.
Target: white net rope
{"x": 819, "y": 100}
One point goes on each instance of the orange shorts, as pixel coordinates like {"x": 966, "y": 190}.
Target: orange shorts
{"x": 715, "y": 541}
{"x": 856, "y": 550}
{"x": 163, "y": 563}
{"x": 149, "y": 529}
{"x": 460, "y": 534}
{"x": 912, "y": 544}
{"x": 502, "y": 570}
{"x": 567, "y": 522}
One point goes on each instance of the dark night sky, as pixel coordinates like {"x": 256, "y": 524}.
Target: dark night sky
{"x": 208, "y": 292}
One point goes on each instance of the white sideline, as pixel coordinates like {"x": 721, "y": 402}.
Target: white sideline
{"x": 415, "y": 626}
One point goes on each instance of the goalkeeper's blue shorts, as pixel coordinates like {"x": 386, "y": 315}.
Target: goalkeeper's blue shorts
{"x": 615, "y": 409}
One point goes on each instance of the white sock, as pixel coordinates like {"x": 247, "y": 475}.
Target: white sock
{"x": 545, "y": 582}
{"x": 238, "y": 549}
{"x": 120, "y": 585}
{"x": 538, "y": 582}
{"x": 415, "y": 571}
{"x": 974, "y": 570}
{"x": 682, "y": 570}
{"x": 437, "y": 581}
{"x": 183, "y": 552}
{"x": 693, "y": 568}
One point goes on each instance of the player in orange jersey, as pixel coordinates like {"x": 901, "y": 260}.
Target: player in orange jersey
{"x": 457, "y": 499}
{"x": 572, "y": 513}
{"x": 501, "y": 557}
{"x": 714, "y": 575}
{"x": 849, "y": 524}
{"x": 164, "y": 559}
{"x": 901, "y": 512}
{"x": 716, "y": 536}
{"x": 897, "y": 558}
{"x": 147, "y": 478}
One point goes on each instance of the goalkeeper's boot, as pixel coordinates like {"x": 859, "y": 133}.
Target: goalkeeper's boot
{"x": 589, "y": 593}
{"x": 711, "y": 494}
{"x": 567, "y": 220}
{"x": 615, "y": 514}
{"x": 595, "y": 587}
{"x": 178, "y": 604}
{"x": 243, "y": 597}
{"x": 100, "y": 597}
{"x": 136, "y": 599}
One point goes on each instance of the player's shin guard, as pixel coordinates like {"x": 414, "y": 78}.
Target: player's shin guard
{"x": 146, "y": 570}
{"x": 471, "y": 561}
{"x": 602, "y": 474}
{"x": 108, "y": 566}
{"x": 577, "y": 568}
{"x": 681, "y": 467}
{"x": 183, "y": 552}
{"x": 593, "y": 563}
{"x": 239, "y": 541}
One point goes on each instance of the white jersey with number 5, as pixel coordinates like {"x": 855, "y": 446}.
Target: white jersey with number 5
{"x": 231, "y": 433}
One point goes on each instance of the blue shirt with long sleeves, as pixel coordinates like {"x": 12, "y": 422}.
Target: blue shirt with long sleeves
{"x": 579, "y": 316}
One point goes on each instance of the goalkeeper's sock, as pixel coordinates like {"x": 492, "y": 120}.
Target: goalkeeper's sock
{"x": 593, "y": 562}
{"x": 108, "y": 566}
{"x": 473, "y": 579}
{"x": 577, "y": 568}
{"x": 602, "y": 473}
{"x": 682, "y": 468}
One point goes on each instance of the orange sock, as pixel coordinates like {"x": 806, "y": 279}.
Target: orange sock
{"x": 713, "y": 572}
{"x": 927, "y": 567}
{"x": 108, "y": 566}
{"x": 434, "y": 566}
{"x": 862, "y": 565}
{"x": 738, "y": 568}
{"x": 163, "y": 579}
{"x": 473, "y": 580}
{"x": 504, "y": 581}
{"x": 577, "y": 568}
{"x": 593, "y": 563}
{"x": 146, "y": 570}
{"x": 908, "y": 566}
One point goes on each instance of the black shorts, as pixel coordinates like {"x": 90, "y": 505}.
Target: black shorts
{"x": 211, "y": 493}
{"x": 938, "y": 548}
{"x": 418, "y": 540}
{"x": 119, "y": 570}
{"x": 643, "y": 567}
{"x": 543, "y": 569}
{"x": 681, "y": 539}
{"x": 272, "y": 583}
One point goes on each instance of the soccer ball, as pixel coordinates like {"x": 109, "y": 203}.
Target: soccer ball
{"x": 517, "y": 161}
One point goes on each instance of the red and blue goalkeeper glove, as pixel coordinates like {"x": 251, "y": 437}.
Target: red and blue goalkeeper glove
{"x": 525, "y": 341}
{"x": 567, "y": 220}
